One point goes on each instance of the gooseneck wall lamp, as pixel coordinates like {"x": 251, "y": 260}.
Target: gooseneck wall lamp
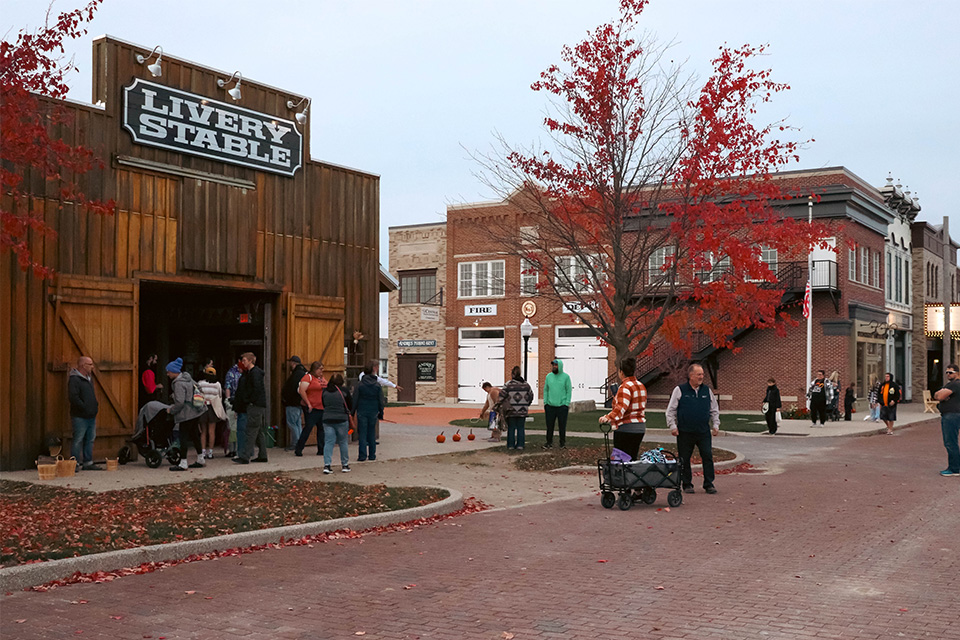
{"x": 302, "y": 116}
{"x": 155, "y": 69}
{"x": 235, "y": 91}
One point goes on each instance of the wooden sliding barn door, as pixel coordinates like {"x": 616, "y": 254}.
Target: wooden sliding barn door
{"x": 96, "y": 317}
{"x": 315, "y": 331}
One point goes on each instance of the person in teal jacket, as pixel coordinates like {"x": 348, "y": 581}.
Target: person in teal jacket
{"x": 557, "y": 391}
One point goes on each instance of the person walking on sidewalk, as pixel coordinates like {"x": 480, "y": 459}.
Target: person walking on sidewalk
{"x": 873, "y": 399}
{"x": 490, "y": 409}
{"x": 368, "y": 406}
{"x": 849, "y": 397}
{"x": 771, "y": 405}
{"x": 514, "y": 403}
{"x": 557, "y": 391}
{"x": 84, "y": 408}
{"x": 186, "y": 414}
{"x": 252, "y": 401}
{"x": 292, "y": 402}
{"x": 311, "y": 392}
{"x": 889, "y": 397}
{"x": 949, "y": 407}
{"x": 693, "y": 416}
{"x": 336, "y": 423}
{"x": 627, "y": 419}
{"x": 820, "y": 394}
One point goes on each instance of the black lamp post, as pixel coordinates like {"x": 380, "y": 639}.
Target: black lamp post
{"x": 526, "y": 330}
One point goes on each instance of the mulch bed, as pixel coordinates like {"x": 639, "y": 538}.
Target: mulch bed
{"x": 40, "y": 523}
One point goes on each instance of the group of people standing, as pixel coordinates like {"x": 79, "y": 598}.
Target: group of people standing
{"x": 508, "y": 406}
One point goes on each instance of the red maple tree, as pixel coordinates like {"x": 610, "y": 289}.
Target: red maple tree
{"x": 656, "y": 205}
{"x": 30, "y": 67}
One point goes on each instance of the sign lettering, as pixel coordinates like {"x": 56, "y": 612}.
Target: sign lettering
{"x": 480, "y": 310}
{"x": 167, "y": 118}
{"x": 416, "y": 343}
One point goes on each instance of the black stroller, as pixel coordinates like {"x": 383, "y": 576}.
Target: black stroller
{"x": 619, "y": 480}
{"x": 153, "y": 437}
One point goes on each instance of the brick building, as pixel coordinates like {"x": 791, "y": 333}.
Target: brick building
{"x": 486, "y": 290}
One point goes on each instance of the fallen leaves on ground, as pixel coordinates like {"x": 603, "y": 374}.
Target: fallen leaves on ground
{"x": 40, "y": 523}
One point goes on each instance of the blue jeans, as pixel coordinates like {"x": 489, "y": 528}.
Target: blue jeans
{"x": 875, "y": 412}
{"x": 335, "y": 431}
{"x": 84, "y": 433}
{"x": 294, "y": 424}
{"x": 515, "y": 431}
{"x": 241, "y": 431}
{"x": 950, "y": 425}
{"x": 367, "y": 435}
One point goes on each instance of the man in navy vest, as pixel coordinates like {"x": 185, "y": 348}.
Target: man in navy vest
{"x": 694, "y": 417}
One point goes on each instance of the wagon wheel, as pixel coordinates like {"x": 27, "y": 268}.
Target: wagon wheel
{"x": 675, "y": 498}
{"x": 607, "y": 499}
{"x": 173, "y": 455}
{"x": 153, "y": 458}
{"x": 625, "y": 501}
{"x": 648, "y": 495}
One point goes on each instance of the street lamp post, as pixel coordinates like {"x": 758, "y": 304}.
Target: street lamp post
{"x": 526, "y": 330}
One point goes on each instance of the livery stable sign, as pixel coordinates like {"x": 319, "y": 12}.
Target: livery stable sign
{"x": 167, "y": 118}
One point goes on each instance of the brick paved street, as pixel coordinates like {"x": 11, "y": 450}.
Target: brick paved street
{"x": 857, "y": 540}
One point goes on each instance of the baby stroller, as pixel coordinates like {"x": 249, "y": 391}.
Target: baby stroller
{"x": 153, "y": 437}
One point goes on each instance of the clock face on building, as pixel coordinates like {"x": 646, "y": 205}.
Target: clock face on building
{"x": 528, "y": 309}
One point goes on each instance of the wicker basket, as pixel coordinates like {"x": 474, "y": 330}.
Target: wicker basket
{"x": 66, "y": 468}
{"x": 47, "y": 471}
{"x": 113, "y": 464}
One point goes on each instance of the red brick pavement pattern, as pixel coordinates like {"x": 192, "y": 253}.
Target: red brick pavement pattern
{"x": 857, "y": 542}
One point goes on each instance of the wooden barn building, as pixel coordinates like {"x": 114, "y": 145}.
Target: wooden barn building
{"x": 226, "y": 237}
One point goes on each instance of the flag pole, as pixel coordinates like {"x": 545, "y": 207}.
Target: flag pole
{"x": 809, "y": 292}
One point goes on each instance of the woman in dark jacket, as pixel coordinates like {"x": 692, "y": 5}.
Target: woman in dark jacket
{"x": 515, "y": 399}
{"x": 336, "y": 422}
{"x": 368, "y": 406}
{"x": 771, "y": 403}
{"x": 889, "y": 398}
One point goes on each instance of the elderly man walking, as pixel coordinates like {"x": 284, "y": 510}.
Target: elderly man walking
{"x": 693, "y": 416}
{"x": 83, "y": 413}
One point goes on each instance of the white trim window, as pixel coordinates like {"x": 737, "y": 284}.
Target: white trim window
{"x": 575, "y": 270}
{"x": 852, "y": 264}
{"x": 770, "y": 257}
{"x": 864, "y": 265}
{"x": 657, "y": 262}
{"x": 875, "y": 281}
{"x": 529, "y": 278}
{"x": 717, "y": 268}
{"x": 481, "y": 279}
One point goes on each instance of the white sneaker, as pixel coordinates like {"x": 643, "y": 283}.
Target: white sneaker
{"x": 345, "y": 469}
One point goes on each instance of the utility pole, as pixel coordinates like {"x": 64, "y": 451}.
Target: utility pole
{"x": 946, "y": 358}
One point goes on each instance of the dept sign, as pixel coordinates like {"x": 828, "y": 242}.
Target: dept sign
{"x": 167, "y": 118}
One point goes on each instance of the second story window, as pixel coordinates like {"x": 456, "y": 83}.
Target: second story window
{"x": 528, "y": 278}
{"x": 658, "y": 260}
{"x": 480, "y": 279}
{"x": 418, "y": 287}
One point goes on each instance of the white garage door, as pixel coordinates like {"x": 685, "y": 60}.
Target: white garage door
{"x": 585, "y": 359}
{"x": 480, "y": 358}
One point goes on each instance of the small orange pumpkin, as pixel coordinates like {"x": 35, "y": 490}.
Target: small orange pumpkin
{"x": 456, "y": 436}
{"x": 470, "y": 436}
{"x": 441, "y": 438}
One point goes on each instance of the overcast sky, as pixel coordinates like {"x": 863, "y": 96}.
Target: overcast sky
{"x": 404, "y": 89}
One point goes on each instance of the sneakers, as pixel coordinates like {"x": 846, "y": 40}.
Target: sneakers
{"x": 179, "y": 467}
{"x": 710, "y": 489}
{"x": 946, "y": 472}
{"x": 327, "y": 470}
{"x": 549, "y": 445}
{"x": 241, "y": 461}
{"x": 345, "y": 469}
{"x": 259, "y": 460}
{"x": 197, "y": 465}
{"x": 91, "y": 467}
{"x": 689, "y": 490}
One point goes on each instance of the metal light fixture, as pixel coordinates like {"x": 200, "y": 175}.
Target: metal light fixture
{"x": 526, "y": 330}
{"x": 235, "y": 91}
{"x": 155, "y": 69}
{"x": 302, "y": 116}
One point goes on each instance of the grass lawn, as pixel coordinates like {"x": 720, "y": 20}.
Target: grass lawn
{"x": 587, "y": 421}
{"x": 579, "y": 451}
{"x": 45, "y": 523}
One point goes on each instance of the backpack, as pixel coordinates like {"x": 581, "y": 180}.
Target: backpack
{"x": 198, "y": 400}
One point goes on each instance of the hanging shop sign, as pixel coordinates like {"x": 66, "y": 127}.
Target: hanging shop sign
{"x": 427, "y": 371}
{"x": 167, "y": 118}
{"x": 406, "y": 344}
{"x": 430, "y": 314}
{"x": 480, "y": 310}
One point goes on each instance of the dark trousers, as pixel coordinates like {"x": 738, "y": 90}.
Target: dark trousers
{"x": 629, "y": 443}
{"x": 818, "y": 408}
{"x": 516, "y": 430}
{"x": 771, "y": 417}
{"x": 256, "y": 433}
{"x": 555, "y": 414}
{"x": 314, "y": 418}
{"x": 367, "y": 435}
{"x": 848, "y": 411}
{"x": 190, "y": 432}
{"x": 703, "y": 441}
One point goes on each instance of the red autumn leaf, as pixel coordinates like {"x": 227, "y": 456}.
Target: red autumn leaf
{"x": 601, "y": 560}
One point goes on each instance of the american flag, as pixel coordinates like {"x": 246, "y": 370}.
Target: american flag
{"x": 806, "y": 301}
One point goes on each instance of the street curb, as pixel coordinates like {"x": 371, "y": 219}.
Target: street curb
{"x": 726, "y": 464}
{"x": 28, "y": 575}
